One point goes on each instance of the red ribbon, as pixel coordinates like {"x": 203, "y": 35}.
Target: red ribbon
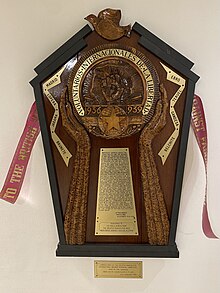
{"x": 198, "y": 123}
{"x": 16, "y": 173}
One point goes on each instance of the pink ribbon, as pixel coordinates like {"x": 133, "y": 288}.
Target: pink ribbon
{"x": 198, "y": 123}
{"x": 16, "y": 173}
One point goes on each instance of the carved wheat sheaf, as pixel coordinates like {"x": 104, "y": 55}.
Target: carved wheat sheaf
{"x": 76, "y": 210}
{"x": 156, "y": 213}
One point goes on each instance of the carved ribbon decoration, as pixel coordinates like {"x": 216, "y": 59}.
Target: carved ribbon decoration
{"x": 156, "y": 213}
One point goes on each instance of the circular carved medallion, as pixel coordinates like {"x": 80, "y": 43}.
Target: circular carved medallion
{"x": 113, "y": 90}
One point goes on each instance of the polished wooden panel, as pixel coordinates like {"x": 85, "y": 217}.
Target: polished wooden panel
{"x": 64, "y": 174}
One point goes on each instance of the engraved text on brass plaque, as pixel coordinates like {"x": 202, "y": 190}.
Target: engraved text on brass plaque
{"x": 118, "y": 269}
{"x": 115, "y": 209}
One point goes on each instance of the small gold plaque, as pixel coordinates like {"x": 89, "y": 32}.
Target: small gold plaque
{"x": 118, "y": 269}
{"x": 115, "y": 210}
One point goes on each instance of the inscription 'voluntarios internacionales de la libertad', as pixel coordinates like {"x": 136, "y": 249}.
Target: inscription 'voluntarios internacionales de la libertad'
{"x": 114, "y": 52}
{"x": 114, "y": 82}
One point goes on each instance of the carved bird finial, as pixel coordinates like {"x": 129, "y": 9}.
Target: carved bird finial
{"x": 106, "y": 24}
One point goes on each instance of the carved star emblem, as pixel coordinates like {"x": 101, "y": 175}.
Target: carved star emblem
{"x": 112, "y": 121}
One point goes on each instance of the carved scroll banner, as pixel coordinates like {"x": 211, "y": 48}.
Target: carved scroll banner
{"x": 49, "y": 84}
{"x": 168, "y": 146}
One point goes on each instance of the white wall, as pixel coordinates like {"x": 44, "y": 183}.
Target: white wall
{"x": 30, "y": 31}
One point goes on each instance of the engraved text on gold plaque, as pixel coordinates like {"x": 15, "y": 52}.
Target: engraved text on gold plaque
{"x": 118, "y": 269}
{"x": 115, "y": 210}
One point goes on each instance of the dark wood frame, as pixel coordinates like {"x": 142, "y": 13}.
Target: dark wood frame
{"x": 48, "y": 67}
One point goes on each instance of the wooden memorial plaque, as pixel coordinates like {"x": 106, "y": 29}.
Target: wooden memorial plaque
{"x": 114, "y": 107}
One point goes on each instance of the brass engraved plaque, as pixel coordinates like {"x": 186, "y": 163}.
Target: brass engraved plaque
{"x": 118, "y": 269}
{"x": 115, "y": 209}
